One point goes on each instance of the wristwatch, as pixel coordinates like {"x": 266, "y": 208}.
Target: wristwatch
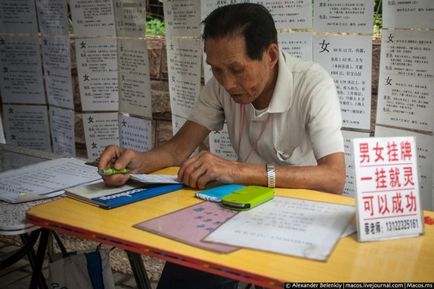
{"x": 271, "y": 175}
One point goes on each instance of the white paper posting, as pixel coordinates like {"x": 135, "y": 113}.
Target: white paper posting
{"x": 18, "y": 16}
{"x": 348, "y": 59}
{"x": 177, "y": 123}
{"x": 135, "y": 133}
{"x": 287, "y": 226}
{"x": 27, "y": 126}
{"x": 93, "y": 18}
{"x": 286, "y": 13}
{"x": 155, "y": 179}
{"x": 62, "y": 125}
{"x": 130, "y": 18}
{"x": 21, "y": 71}
{"x": 52, "y": 17}
{"x": 425, "y": 159}
{"x": 182, "y": 18}
{"x": 36, "y": 181}
{"x": 388, "y": 199}
{"x": 343, "y": 16}
{"x": 298, "y": 44}
{"x": 406, "y": 82}
{"x": 100, "y": 130}
{"x": 57, "y": 67}
{"x": 220, "y": 144}
{"x": 134, "y": 82}
{"x": 408, "y": 14}
{"x": 98, "y": 74}
{"x": 350, "y": 183}
{"x": 183, "y": 60}
{"x": 2, "y": 135}
{"x": 407, "y": 53}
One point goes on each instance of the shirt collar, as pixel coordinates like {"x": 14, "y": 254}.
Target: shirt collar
{"x": 282, "y": 95}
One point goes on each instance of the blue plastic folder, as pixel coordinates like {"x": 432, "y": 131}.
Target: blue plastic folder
{"x": 217, "y": 193}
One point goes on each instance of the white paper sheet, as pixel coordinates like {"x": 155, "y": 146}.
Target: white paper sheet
{"x": 62, "y": 125}
{"x": 408, "y": 14}
{"x": 350, "y": 185}
{"x": 425, "y": 159}
{"x": 18, "y": 16}
{"x": 343, "y": 16}
{"x": 98, "y": 74}
{"x": 182, "y": 18}
{"x": 220, "y": 144}
{"x": 134, "y": 82}
{"x": 298, "y": 44}
{"x": 348, "y": 59}
{"x": 135, "y": 133}
{"x": 35, "y": 181}
{"x": 407, "y": 53}
{"x": 177, "y": 123}
{"x": 57, "y": 67}
{"x": 406, "y": 82}
{"x": 287, "y": 226}
{"x": 387, "y": 186}
{"x": 27, "y": 126}
{"x": 183, "y": 60}
{"x": 286, "y": 13}
{"x": 130, "y": 17}
{"x": 21, "y": 70}
{"x": 100, "y": 130}
{"x": 52, "y": 17}
{"x": 93, "y": 18}
{"x": 155, "y": 179}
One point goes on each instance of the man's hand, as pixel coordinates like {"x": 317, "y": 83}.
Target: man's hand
{"x": 118, "y": 158}
{"x": 206, "y": 167}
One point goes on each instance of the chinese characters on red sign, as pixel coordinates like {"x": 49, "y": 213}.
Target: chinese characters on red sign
{"x": 387, "y": 186}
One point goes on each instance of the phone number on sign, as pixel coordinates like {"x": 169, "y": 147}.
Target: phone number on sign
{"x": 400, "y": 225}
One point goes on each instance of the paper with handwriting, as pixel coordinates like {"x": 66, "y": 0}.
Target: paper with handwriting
{"x": 287, "y": 226}
{"x": 39, "y": 180}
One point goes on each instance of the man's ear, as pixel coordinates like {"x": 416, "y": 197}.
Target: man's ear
{"x": 272, "y": 52}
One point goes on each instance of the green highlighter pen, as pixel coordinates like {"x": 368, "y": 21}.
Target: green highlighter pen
{"x": 112, "y": 171}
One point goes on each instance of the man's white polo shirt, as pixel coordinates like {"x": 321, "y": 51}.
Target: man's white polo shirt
{"x": 302, "y": 123}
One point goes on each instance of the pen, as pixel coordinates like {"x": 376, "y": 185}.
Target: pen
{"x": 112, "y": 171}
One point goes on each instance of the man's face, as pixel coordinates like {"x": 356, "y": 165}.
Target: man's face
{"x": 246, "y": 80}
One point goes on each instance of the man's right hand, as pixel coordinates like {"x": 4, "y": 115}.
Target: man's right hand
{"x": 118, "y": 158}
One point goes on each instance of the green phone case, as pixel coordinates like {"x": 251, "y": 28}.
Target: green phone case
{"x": 247, "y": 198}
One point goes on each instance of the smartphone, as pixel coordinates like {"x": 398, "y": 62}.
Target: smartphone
{"x": 247, "y": 197}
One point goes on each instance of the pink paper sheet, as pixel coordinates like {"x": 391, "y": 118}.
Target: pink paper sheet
{"x": 191, "y": 225}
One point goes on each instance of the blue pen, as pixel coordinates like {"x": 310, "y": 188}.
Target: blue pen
{"x": 112, "y": 171}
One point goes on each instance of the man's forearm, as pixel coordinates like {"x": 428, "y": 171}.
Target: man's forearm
{"x": 324, "y": 177}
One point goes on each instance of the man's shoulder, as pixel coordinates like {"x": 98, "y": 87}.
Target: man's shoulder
{"x": 304, "y": 67}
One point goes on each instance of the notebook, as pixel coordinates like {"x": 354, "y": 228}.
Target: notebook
{"x": 98, "y": 194}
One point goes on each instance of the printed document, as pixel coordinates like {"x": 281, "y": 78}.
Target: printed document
{"x": 155, "y": 179}
{"x": 289, "y": 226}
{"x": 44, "y": 179}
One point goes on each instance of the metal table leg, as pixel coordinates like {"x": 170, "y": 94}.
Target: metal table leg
{"x": 139, "y": 270}
{"x": 37, "y": 270}
{"x": 32, "y": 260}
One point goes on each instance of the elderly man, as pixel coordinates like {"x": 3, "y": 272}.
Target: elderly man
{"x": 283, "y": 118}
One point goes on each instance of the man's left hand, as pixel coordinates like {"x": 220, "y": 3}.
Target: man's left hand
{"x": 206, "y": 167}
